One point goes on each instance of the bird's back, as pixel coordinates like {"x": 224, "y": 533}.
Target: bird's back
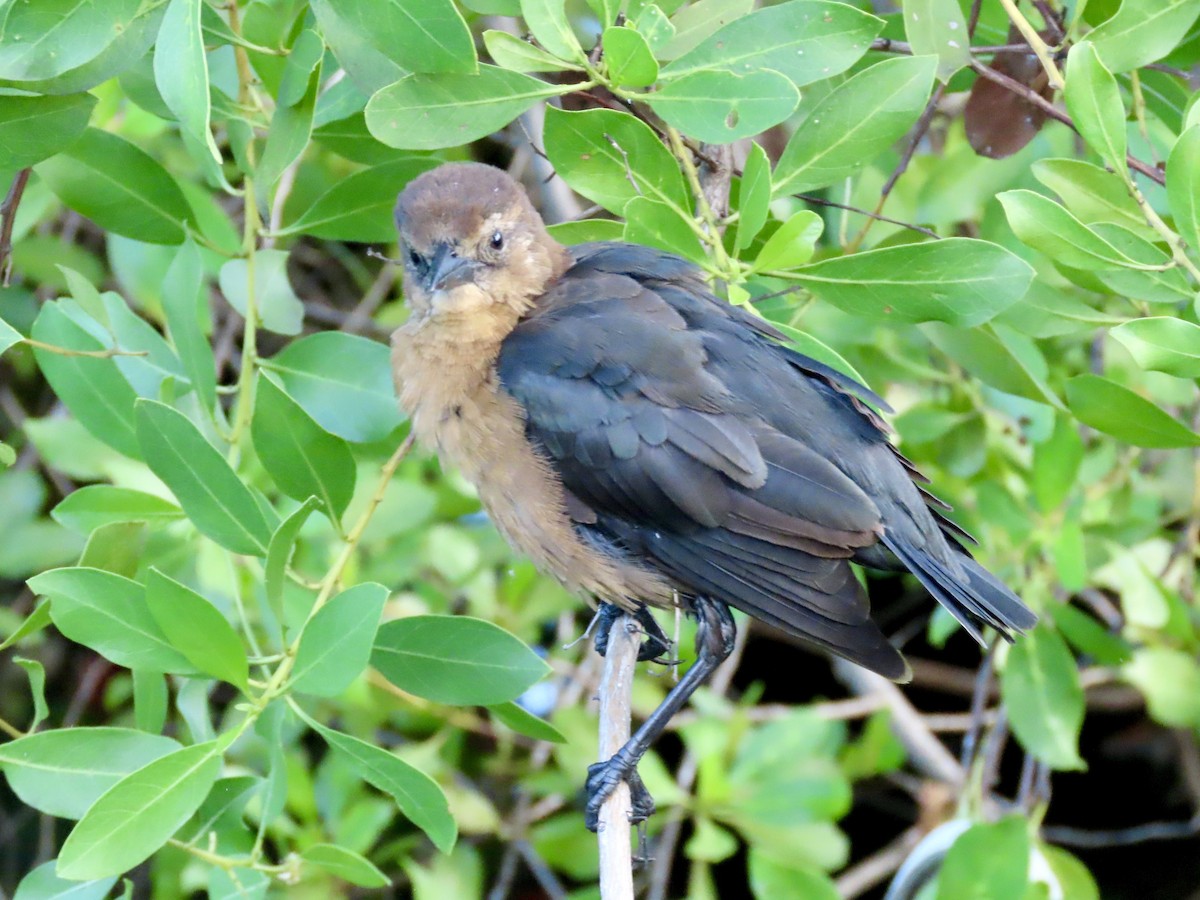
{"x": 691, "y": 441}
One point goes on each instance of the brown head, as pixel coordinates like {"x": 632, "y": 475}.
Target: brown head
{"x": 472, "y": 242}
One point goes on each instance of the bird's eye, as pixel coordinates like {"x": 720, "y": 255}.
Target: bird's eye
{"x": 415, "y": 258}
{"x": 497, "y": 241}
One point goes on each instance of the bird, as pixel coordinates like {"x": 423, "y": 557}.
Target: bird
{"x": 648, "y": 444}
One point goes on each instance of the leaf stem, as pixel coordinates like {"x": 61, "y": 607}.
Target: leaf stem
{"x": 11, "y": 730}
{"x": 1036, "y": 44}
{"x": 93, "y": 354}
{"x": 711, "y": 232}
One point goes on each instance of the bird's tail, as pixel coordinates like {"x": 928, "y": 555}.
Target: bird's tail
{"x": 972, "y": 594}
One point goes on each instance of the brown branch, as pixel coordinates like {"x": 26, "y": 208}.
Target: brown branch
{"x": 8, "y": 215}
{"x": 876, "y": 868}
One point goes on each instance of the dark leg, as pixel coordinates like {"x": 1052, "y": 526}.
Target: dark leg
{"x": 714, "y": 642}
{"x": 653, "y": 649}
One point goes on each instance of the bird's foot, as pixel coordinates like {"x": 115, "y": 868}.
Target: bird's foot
{"x": 602, "y": 780}
{"x": 653, "y": 649}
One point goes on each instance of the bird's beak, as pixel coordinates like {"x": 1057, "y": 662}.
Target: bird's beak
{"x": 447, "y": 269}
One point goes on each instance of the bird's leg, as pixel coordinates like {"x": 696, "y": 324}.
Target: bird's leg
{"x": 715, "y": 635}
{"x": 653, "y": 649}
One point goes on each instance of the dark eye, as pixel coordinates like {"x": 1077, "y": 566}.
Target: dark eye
{"x": 497, "y": 240}
{"x": 415, "y": 258}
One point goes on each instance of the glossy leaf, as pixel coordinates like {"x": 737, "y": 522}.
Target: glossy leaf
{"x": 51, "y": 37}
{"x": 1092, "y": 194}
{"x": 92, "y": 388}
{"x": 1183, "y": 186}
{"x": 118, "y": 186}
{"x": 854, "y": 123}
{"x": 336, "y": 643}
{"x": 302, "y": 458}
{"x": 628, "y": 57}
{"x": 513, "y": 53}
{"x": 989, "y": 861}
{"x": 1142, "y": 31}
{"x": 1006, "y": 362}
{"x": 139, "y": 813}
{"x": 1170, "y": 681}
{"x": 210, "y": 492}
{"x": 1163, "y": 344}
{"x": 455, "y": 659}
{"x": 754, "y": 196}
{"x": 1056, "y": 464}
{"x": 35, "y": 128}
{"x": 594, "y": 151}
{"x": 43, "y": 883}
{"x": 956, "y": 280}
{"x": 548, "y": 21}
{"x": 196, "y": 629}
{"x": 345, "y": 864}
{"x": 108, "y": 613}
{"x": 1094, "y": 103}
{"x": 276, "y": 305}
{"x": 524, "y": 722}
{"x": 1045, "y": 225}
{"x": 655, "y": 224}
{"x": 279, "y": 554}
{"x": 1118, "y": 411}
{"x": 937, "y": 27}
{"x": 181, "y": 72}
{"x": 722, "y": 107}
{"x": 1045, "y": 702}
{"x": 428, "y": 112}
{"x": 96, "y": 505}
{"x": 292, "y": 121}
{"x": 64, "y": 771}
{"x": 359, "y": 208}
{"x": 185, "y": 305}
{"x": 343, "y": 381}
{"x": 417, "y": 35}
{"x": 792, "y": 243}
{"x": 804, "y": 40}
{"x": 417, "y": 795}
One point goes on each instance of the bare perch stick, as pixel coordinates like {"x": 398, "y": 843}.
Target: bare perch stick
{"x": 612, "y": 833}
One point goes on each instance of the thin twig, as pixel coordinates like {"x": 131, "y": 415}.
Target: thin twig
{"x": 821, "y": 201}
{"x": 8, "y": 215}
{"x": 616, "y": 685}
{"x": 1122, "y": 837}
{"x": 876, "y": 868}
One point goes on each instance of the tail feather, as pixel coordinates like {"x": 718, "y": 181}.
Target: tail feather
{"x": 974, "y": 596}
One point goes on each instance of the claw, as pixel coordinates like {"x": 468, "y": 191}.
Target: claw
{"x": 602, "y": 780}
{"x": 653, "y": 649}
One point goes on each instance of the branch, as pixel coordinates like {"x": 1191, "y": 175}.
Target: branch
{"x": 616, "y": 686}
{"x": 8, "y": 215}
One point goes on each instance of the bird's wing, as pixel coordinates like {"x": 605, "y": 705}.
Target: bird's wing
{"x": 664, "y": 456}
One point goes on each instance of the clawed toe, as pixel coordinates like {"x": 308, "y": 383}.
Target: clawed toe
{"x": 602, "y": 780}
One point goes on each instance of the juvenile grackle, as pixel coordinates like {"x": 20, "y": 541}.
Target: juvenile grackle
{"x": 646, "y": 443}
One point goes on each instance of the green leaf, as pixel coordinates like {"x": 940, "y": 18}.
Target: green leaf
{"x": 1094, "y": 102}
{"x": 513, "y": 53}
{"x": 149, "y": 700}
{"x": 628, "y": 57}
{"x": 690, "y": 23}
{"x": 1045, "y": 703}
{"x": 989, "y": 861}
{"x": 1142, "y": 31}
{"x": 1163, "y": 344}
{"x": 1091, "y": 193}
{"x": 656, "y": 224}
{"x": 359, "y": 208}
{"x": 417, "y": 35}
{"x": 771, "y": 879}
{"x": 181, "y": 72}
{"x": 276, "y": 306}
{"x": 804, "y": 40}
{"x": 547, "y": 19}
{"x": 108, "y": 613}
{"x": 35, "y": 128}
{"x": 1160, "y": 281}
{"x": 196, "y": 629}
{"x": 1046, "y": 226}
{"x": 429, "y": 112}
{"x": 854, "y": 123}
{"x": 30, "y": 625}
{"x": 343, "y": 381}
{"x": 50, "y": 37}
{"x": 96, "y": 505}
{"x": 1056, "y": 464}
{"x": 960, "y": 281}
{"x": 455, "y": 659}
{"x": 279, "y": 553}
{"x": 185, "y": 306}
{"x": 37, "y": 689}
{"x": 524, "y": 722}
{"x": 805, "y": 343}
{"x": 792, "y": 244}
{"x": 64, "y": 771}
{"x": 937, "y": 27}
{"x": 754, "y": 196}
{"x": 292, "y": 121}
{"x": 92, "y": 388}
{"x": 1118, "y": 411}
{"x": 140, "y": 813}
{"x": 210, "y": 492}
{"x": 611, "y": 157}
{"x": 119, "y": 187}
{"x": 369, "y": 67}
{"x": 300, "y": 456}
{"x": 1073, "y": 877}
{"x": 1170, "y": 681}
{"x": 1011, "y": 365}
{"x": 721, "y": 107}
{"x": 1183, "y": 186}
{"x": 417, "y": 795}
{"x": 43, "y": 883}
{"x": 345, "y": 864}
{"x": 9, "y": 336}
{"x": 336, "y": 643}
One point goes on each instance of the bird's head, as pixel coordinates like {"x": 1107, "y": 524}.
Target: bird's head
{"x": 472, "y": 244}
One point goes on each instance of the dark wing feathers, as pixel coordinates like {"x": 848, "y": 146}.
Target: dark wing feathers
{"x": 687, "y": 436}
